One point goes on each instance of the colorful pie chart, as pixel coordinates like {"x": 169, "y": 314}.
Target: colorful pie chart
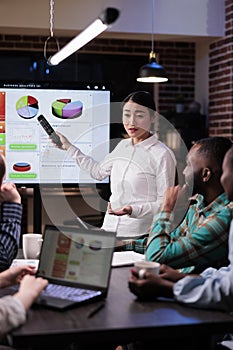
{"x": 27, "y": 107}
{"x": 64, "y": 108}
{"x": 21, "y": 167}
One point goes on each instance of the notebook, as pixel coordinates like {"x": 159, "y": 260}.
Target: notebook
{"x": 126, "y": 258}
{"x": 77, "y": 260}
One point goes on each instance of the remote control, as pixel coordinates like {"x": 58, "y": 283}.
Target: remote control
{"x": 50, "y": 131}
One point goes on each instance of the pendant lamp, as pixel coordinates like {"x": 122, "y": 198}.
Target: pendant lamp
{"x": 152, "y": 72}
{"x": 103, "y": 21}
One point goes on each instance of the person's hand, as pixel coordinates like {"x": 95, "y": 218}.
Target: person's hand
{"x": 65, "y": 142}
{"x": 150, "y": 287}
{"x": 175, "y": 195}
{"x": 119, "y": 245}
{"x": 15, "y": 274}
{"x": 126, "y": 210}
{"x": 30, "y": 288}
{"x": 9, "y": 193}
{"x": 170, "y": 274}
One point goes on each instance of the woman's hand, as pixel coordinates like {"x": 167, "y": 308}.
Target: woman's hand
{"x": 30, "y": 288}
{"x": 65, "y": 142}
{"x": 126, "y": 210}
{"x": 15, "y": 274}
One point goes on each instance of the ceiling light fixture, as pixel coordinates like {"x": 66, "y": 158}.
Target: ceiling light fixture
{"x": 104, "y": 20}
{"x": 152, "y": 72}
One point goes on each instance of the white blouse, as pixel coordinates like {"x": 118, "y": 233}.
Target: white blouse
{"x": 139, "y": 175}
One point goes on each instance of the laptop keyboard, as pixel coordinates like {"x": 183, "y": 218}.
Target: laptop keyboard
{"x": 69, "y": 293}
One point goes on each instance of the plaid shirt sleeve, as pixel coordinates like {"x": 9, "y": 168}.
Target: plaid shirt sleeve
{"x": 137, "y": 245}
{"x": 198, "y": 241}
{"x": 10, "y": 230}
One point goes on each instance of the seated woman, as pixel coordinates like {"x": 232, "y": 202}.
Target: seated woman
{"x": 13, "y": 308}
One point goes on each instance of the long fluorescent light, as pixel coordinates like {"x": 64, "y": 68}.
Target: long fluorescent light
{"x": 105, "y": 19}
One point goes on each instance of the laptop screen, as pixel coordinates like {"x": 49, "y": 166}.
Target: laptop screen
{"x": 77, "y": 257}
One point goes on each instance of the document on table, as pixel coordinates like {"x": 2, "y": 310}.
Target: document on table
{"x": 20, "y": 262}
{"x": 126, "y": 258}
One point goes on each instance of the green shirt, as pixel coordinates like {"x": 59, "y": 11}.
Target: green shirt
{"x": 200, "y": 241}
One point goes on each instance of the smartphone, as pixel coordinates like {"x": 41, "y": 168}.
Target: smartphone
{"x": 50, "y": 131}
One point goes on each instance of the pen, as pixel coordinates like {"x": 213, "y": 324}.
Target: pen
{"x": 97, "y": 309}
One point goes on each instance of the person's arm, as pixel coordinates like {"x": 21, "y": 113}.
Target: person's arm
{"x": 13, "y": 308}
{"x": 213, "y": 289}
{"x": 190, "y": 244}
{"x": 137, "y": 245}
{"x": 10, "y": 224}
{"x": 97, "y": 170}
{"x": 12, "y": 314}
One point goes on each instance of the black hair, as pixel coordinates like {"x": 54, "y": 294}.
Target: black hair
{"x": 214, "y": 147}
{"x": 143, "y": 98}
{"x": 2, "y": 168}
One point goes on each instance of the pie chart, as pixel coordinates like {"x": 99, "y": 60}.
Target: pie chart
{"x": 22, "y": 167}
{"x": 27, "y": 107}
{"x": 64, "y": 108}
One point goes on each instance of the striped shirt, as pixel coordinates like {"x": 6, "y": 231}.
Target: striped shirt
{"x": 10, "y": 231}
{"x": 200, "y": 241}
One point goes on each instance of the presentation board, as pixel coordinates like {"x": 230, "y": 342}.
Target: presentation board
{"x": 80, "y": 111}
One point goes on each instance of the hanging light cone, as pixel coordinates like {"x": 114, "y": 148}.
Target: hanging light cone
{"x": 152, "y": 72}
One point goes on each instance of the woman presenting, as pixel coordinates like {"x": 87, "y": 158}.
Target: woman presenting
{"x": 140, "y": 168}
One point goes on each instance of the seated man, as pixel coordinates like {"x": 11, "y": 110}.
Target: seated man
{"x": 10, "y": 222}
{"x": 211, "y": 289}
{"x": 201, "y": 239}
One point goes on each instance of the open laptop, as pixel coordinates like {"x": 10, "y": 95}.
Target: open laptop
{"x": 78, "y": 260}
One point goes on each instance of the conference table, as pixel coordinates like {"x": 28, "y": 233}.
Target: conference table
{"x": 122, "y": 320}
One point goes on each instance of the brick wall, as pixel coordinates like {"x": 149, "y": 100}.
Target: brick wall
{"x": 221, "y": 80}
{"x": 178, "y": 59}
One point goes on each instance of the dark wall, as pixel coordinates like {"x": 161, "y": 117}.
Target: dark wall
{"x": 118, "y": 70}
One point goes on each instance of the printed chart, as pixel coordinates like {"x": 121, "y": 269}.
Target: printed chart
{"x": 27, "y": 107}
{"x": 65, "y": 109}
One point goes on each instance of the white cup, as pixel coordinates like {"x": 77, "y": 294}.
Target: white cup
{"x": 32, "y": 245}
{"x": 144, "y": 266}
